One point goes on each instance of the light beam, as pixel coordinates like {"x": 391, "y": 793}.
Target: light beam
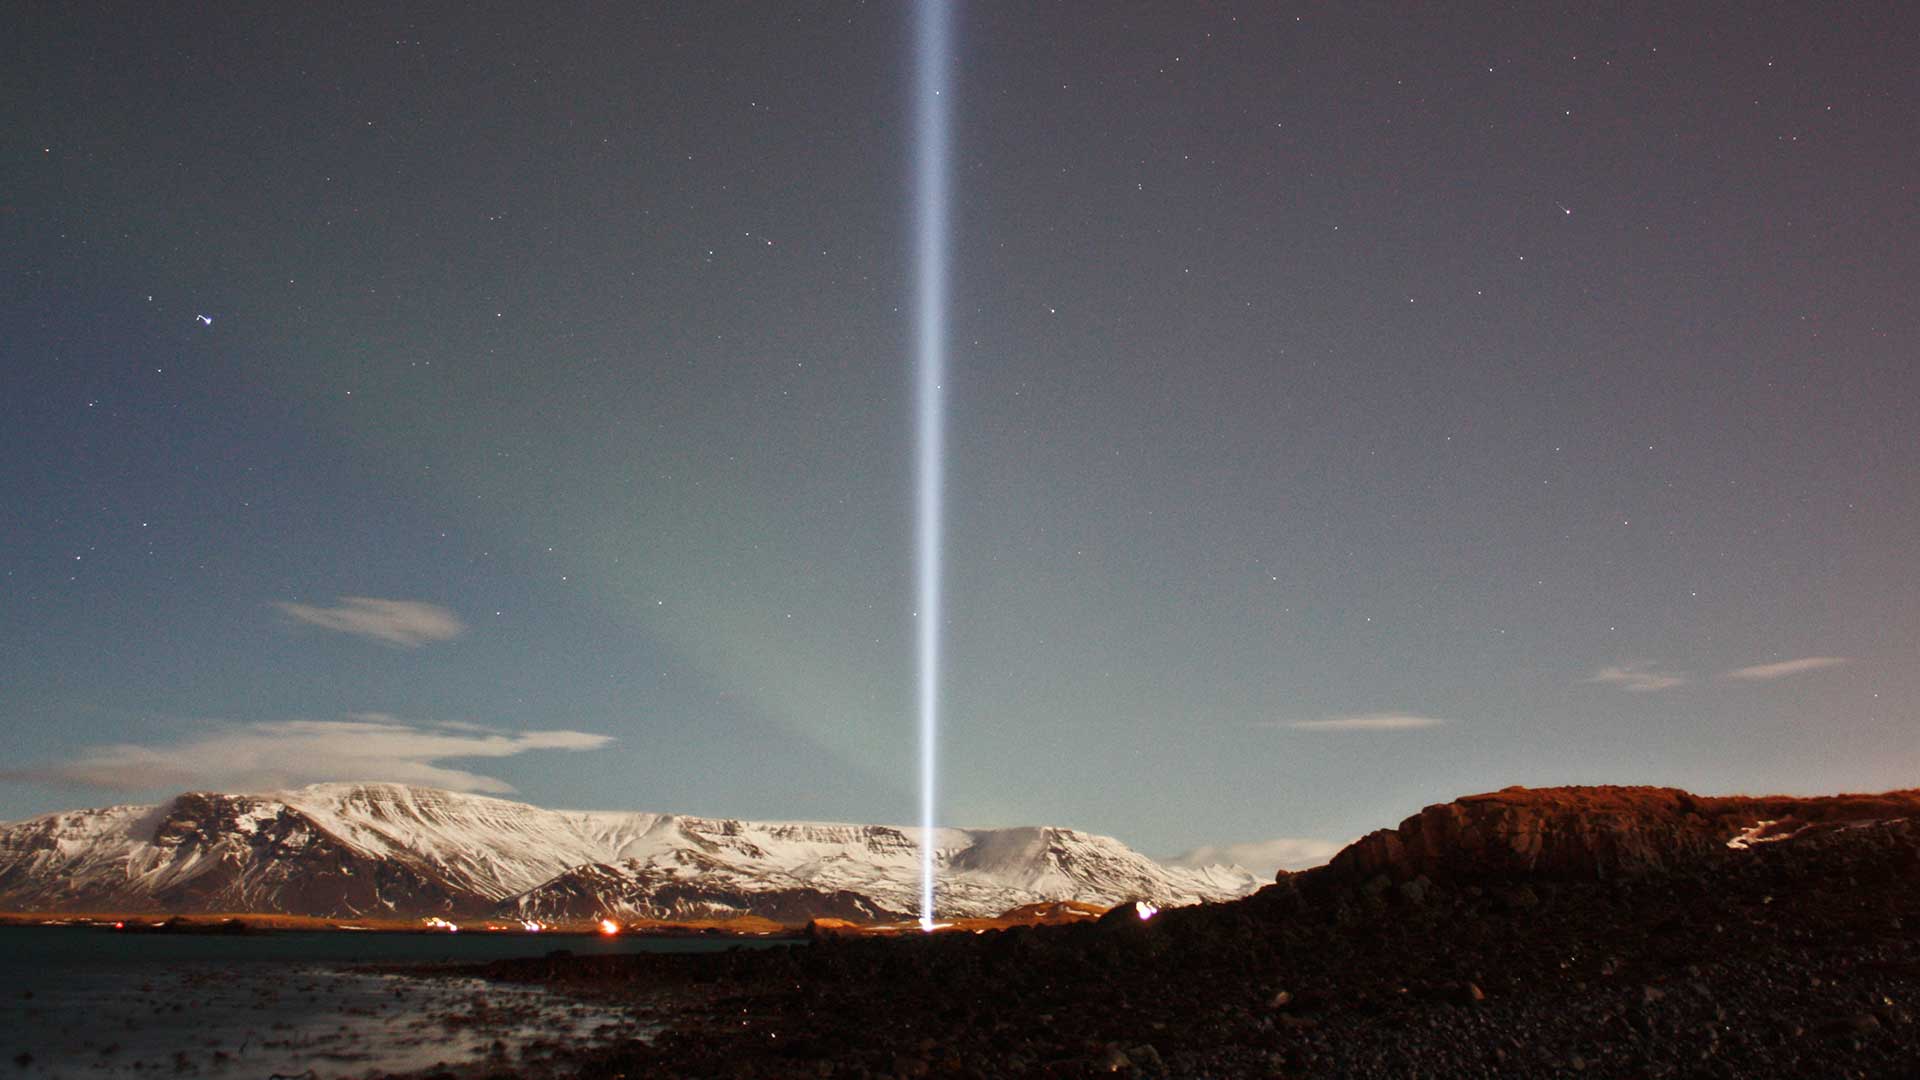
{"x": 932, "y": 40}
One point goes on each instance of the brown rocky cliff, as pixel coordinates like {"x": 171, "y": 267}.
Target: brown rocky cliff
{"x": 1589, "y": 833}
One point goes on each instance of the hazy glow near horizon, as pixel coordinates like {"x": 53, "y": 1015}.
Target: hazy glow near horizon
{"x": 930, "y": 243}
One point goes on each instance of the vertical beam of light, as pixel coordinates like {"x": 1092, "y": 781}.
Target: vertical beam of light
{"x": 932, "y": 33}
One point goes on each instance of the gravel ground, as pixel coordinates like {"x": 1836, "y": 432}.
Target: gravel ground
{"x": 1792, "y": 959}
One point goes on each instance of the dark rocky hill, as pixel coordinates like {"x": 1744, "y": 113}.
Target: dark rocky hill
{"x": 1606, "y": 932}
{"x": 1593, "y": 833}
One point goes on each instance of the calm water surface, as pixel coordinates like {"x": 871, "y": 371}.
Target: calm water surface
{"x": 84, "y": 1002}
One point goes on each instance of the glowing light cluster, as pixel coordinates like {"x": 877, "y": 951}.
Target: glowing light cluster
{"x": 608, "y": 927}
{"x": 434, "y": 922}
{"x": 932, "y": 41}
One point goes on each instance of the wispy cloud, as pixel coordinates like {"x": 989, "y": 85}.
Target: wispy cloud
{"x": 407, "y": 623}
{"x": 288, "y": 753}
{"x": 1784, "y": 668}
{"x": 1375, "y": 721}
{"x": 1639, "y": 678}
{"x": 1263, "y": 857}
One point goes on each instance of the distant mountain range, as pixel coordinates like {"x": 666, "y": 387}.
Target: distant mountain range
{"x": 389, "y": 850}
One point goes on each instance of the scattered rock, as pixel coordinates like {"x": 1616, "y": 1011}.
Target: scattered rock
{"x": 1616, "y": 975}
{"x": 1415, "y": 891}
{"x": 1854, "y": 1024}
{"x": 1145, "y": 1056}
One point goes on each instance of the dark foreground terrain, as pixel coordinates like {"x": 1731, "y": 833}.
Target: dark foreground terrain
{"x": 1601, "y": 932}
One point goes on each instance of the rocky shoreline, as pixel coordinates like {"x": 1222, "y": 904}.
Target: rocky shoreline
{"x": 1796, "y": 957}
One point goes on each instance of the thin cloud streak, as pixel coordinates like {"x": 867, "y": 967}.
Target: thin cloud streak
{"x": 406, "y": 623}
{"x": 1378, "y": 721}
{"x": 289, "y": 753}
{"x": 1784, "y": 668}
{"x": 1636, "y": 678}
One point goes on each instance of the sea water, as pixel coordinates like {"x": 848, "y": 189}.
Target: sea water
{"x": 94, "y": 1002}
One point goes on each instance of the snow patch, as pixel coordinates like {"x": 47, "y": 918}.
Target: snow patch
{"x": 311, "y": 849}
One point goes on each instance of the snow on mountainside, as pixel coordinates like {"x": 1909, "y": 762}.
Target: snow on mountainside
{"x": 373, "y": 849}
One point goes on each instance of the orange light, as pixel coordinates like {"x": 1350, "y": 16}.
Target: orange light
{"x": 609, "y": 927}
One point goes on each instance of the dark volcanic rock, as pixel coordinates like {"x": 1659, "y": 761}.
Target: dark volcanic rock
{"x": 1784, "y": 958}
{"x": 1590, "y": 833}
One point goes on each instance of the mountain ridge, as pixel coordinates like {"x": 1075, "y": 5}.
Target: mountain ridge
{"x": 359, "y": 849}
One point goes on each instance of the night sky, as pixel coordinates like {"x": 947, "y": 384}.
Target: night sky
{"x": 1351, "y": 407}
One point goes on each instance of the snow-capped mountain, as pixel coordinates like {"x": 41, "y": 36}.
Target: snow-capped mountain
{"x": 388, "y": 849}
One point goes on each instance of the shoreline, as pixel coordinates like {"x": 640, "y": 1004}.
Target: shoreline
{"x": 150, "y": 1006}
{"x": 1797, "y": 961}
{"x": 748, "y": 927}
{"x": 270, "y": 923}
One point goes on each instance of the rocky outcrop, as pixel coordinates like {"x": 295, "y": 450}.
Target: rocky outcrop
{"x": 1789, "y": 958}
{"x": 1593, "y": 833}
